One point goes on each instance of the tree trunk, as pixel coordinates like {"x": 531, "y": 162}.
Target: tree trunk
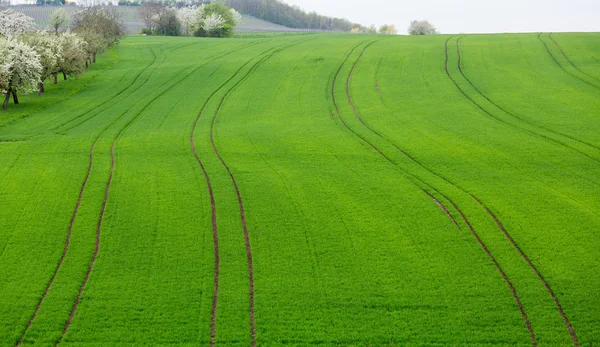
{"x": 55, "y": 78}
{"x": 40, "y": 87}
{"x": 86, "y": 64}
{"x": 94, "y": 59}
{"x": 15, "y": 97}
{"x": 5, "y": 105}
{"x": 64, "y": 75}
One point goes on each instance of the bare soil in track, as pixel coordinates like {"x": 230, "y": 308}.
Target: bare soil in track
{"x": 66, "y": 247}
{"x": 215, "y": 230}
{"x": 537, "y": 272}
{"x": 463, "y": 216}
{"x": 107, "y": 190}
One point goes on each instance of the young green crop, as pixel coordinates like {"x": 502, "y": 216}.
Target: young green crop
{"x": 393, "y": 192}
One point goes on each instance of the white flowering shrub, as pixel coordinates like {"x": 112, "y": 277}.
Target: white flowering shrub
{"x": 20, "y": 69}
{"x": 237, "y": 17}
{"x": 421, "y": 27}
{"x": 13, "y": 23}
{"x": 48, "y": 48}
{"x": 187, "y": 19}
{"x": 213, "y": 22}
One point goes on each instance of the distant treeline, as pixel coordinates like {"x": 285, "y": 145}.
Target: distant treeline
{"x": 278, "y": 12}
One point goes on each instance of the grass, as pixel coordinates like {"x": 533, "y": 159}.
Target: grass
{"x": 343, "y": 148}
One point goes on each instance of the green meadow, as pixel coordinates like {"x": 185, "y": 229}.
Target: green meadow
{"x": 310, "y": 189}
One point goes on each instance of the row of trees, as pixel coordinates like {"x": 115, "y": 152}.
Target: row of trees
{"x": 278, "y": 12}
{"x": 417, "y": 27}
{"x": 213, "y": 20}
{"x": 29, "y": 57}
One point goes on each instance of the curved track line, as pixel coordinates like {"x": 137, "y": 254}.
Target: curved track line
{"x": 106, "y": 194}
{"x": 220, "y": 55}
{"x": 357, "y": 114}
{"x": 498, "y": 223}
{"x": 502, "y": 121}
{"x": 514, "y": 115}
{"x": 66, "y": 247}
{"x": 562, "y": 67}
{"x": 237, "y": 190}
{"x": 463, "y": 216}
{"x": 110, "y": 99}
{"x": 569, "y": 60}
{"x": 537, "y": 272}
{"x": 500, "y": 226}
{"x": 213, "y": 315}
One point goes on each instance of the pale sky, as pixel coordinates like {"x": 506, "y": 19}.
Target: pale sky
{"x": 467, "y": 16}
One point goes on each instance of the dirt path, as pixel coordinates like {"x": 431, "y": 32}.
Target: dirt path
{"x": 537, "y": 272}
{"x": 463, "y": 216}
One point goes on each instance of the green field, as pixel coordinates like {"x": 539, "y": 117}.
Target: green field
{"x": 308, "y": 190}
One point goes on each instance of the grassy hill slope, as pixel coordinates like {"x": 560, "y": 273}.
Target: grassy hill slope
{"x": 134, "y": 23}
{"x": 308, "y": 190}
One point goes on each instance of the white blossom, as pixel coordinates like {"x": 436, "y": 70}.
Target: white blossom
{"x": 421, "y": 27}
{"x": 213, "y": 22}
{"x": 237, "y": 17}
{"x": 20, "y": 68}
{"x": 14, "y": 23}
{"x": 49, "y": 50}
{"x": 187, "y": 18}
{"x": 59, "y": 18}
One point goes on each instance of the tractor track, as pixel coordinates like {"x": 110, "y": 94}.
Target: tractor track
{"x": 537, "y": 272}
{"x": 463, "y": 216}
{"x": 569, "y": 60}
{"x": 562, "y": 67}
{"x": 460, "y": 69}
{"x": 112, "y": 98}
{"x": 147, "y": 79}
{"x": 236, "y": 187}
{"x": 108, "y": 186}
{"x": 215, "y": 230}
{"x": 473, "y": 231}
{"x": 66, "y": 247}
{"x": 357, "y": 114}
{"x": 534, "y": 134}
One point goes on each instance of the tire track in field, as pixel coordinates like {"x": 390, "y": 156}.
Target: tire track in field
{"x": 569, "y": 60}
{"x": 213, "y": 206}
{"x": 562, "y": 67}
{"x": 494, "y": 218}
{"x": 236, "y": 187}
{"x": 357, "y": 114}
{"x": 116, "y": 95}
{"x": 131, "y": 84}
{"x": 537, "y": 272}
{"x": 66, "y": 247}
{"x": 463, "y": 216}
{"x": 109, "y": 182}
{"x": 534, "y": 134}
{"x": 518, "y": 117}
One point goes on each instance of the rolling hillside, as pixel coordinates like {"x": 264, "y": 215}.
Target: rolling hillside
{"x": 135, "y": 24}
{"x": 322, "y": 189}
